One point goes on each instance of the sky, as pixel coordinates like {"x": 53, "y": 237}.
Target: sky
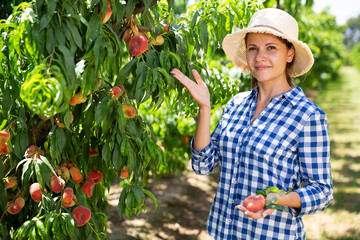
{"x": 342, "y": 9}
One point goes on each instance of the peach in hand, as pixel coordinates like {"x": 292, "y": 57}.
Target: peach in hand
{"x": 254, "y": 203}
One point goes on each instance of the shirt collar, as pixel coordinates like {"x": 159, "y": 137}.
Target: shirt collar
{"x": 293, "y": 96}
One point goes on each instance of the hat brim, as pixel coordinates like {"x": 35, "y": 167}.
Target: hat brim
{"x": 234, "y": 47}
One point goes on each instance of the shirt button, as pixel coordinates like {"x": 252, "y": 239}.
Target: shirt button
{"x": 232, "y": 201}
{"x": 229, "y": 220}
{"x": 237, "y": 162}
{"x": 262, "y": 113}
{"x": 234, "y": 181}
{"x": 240, "y": 144}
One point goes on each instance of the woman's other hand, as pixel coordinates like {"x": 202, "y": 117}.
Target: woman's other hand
{"x": 255, "y": 215}
{"x": 198, "y": 90}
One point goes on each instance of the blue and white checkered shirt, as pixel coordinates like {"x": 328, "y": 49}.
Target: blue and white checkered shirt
{"x": 287, "y": 146}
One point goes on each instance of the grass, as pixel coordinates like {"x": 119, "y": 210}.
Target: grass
{"x": 341, "y": 103}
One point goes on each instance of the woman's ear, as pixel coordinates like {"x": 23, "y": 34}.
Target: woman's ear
{"x": 291, "y": 54}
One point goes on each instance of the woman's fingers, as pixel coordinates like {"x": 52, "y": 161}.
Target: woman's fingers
{"x": 197, "y": 77}
{"x": 255, "y": 215}
{"x": 198, "y": 90}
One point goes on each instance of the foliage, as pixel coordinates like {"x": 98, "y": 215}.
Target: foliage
{"x": 352, "y": 32}
{"x": 355, "y": 56}
{"x": 60, "y": 61}
{"x": 323, "y": 36}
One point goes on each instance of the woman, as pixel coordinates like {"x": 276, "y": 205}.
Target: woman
{"x": 271, "y": 136}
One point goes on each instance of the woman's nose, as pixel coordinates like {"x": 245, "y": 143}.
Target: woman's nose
{"x": 260, "y": 56}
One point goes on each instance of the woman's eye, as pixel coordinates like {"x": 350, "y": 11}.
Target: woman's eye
{"x": 271, "y": 47}
{"x": 252, "y": 49}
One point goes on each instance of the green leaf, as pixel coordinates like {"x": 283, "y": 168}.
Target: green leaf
{"x": 93, "y": 31}
{"x": 121, "y": 204}
{"x": 74, "y": 32}
{"x": 125, "y": 71}
{"x": 139, "y": 194}
{"x": 152, "y": 197}
{"x": 148, "y": 20}
{"x": 116, "y": 157}
{"x": 276, "y": 206}
{"x": 140, "y": 89}
{"x": 41, "y": 229}
{"x": 204, "y": 35}
{"x": 124, "y": 147}
{"x": 61, "y": 139}
{"x": 68, "y": 63}
{"x": 130, "y": 5}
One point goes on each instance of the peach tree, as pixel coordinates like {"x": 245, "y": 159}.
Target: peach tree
{"x": 72, "y": 78}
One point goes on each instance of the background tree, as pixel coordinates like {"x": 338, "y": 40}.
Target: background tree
{"x": 71, "y": 85}
{"x": 86, "y": 98}
{"x": 352, "y": 32}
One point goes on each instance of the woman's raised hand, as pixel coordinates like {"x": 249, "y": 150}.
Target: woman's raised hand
{"x": 198, "y": 90}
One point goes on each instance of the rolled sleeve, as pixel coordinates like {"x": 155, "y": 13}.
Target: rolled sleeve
{"x": 314, "y": 160}
{"x": 203, "y": 161}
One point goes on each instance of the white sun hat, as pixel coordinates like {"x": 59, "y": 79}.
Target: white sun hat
{"x": 278, "y": 23}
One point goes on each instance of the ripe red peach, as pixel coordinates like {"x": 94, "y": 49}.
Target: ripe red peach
{"x": 254, "y": 203}
{"x": 35, "y": 192}
{"x": 57, "y": 184}
{"x": 96, "y": 176}
{"x": 4, "y": 137}
{"x": 88, "y": 187}
{"x": 82, "y": 215}
{"x": 108, "y": 13}
{"x": 4, "y": 149}
{"x": 138, "y": 44}
{"x": 130, "y": 111}
{"x": 76, "y": 174}
{"x": 67, "y": 197}
{"x": 16, "y": 206}
{"x": 11, "y": 182}
{"x": 124, "y": 173}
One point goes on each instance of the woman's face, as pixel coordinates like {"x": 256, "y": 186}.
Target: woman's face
{"x": 267, "y": 57}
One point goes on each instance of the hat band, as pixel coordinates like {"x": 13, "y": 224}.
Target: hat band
{"x": 267, "y": 26}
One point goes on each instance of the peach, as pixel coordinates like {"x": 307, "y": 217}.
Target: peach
{"x": 124, "y": 173}
{"x": 77, "y": 99}
{"x": 32, "y": 151}
{"x": 5, "y": 149}
{"x": 11, "y": 182}
{"x": 138, "y": 44}
{"x": 16, "y": 206}
{"x": 82, "y": 215}
{"x": 4, "y": 137}
{"x": 254, "y": 203}
{"x": 93, "y": 152}
{"x": 57, "y": 184}
{"x": 64, "y": 172}
{"x": 115, "y": 92}
{"x": 73, "y": 101}
{"x": 67, "y": 196}
{"x": 127, "y": 36}
{"x": 76, "y": 174}
{"x": 35, "y": 192}
{"x": 88, "y": 187}
{"x": 159, "y": 40}
{"x": 108, "y": 13}
{"x": 130, "y": 111}
{"x": 96, "y": 176}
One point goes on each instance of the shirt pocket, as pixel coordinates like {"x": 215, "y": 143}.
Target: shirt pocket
{"x": 273, "y": 153}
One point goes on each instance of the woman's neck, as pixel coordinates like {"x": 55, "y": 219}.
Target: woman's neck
{"x": 269, "y": 91}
